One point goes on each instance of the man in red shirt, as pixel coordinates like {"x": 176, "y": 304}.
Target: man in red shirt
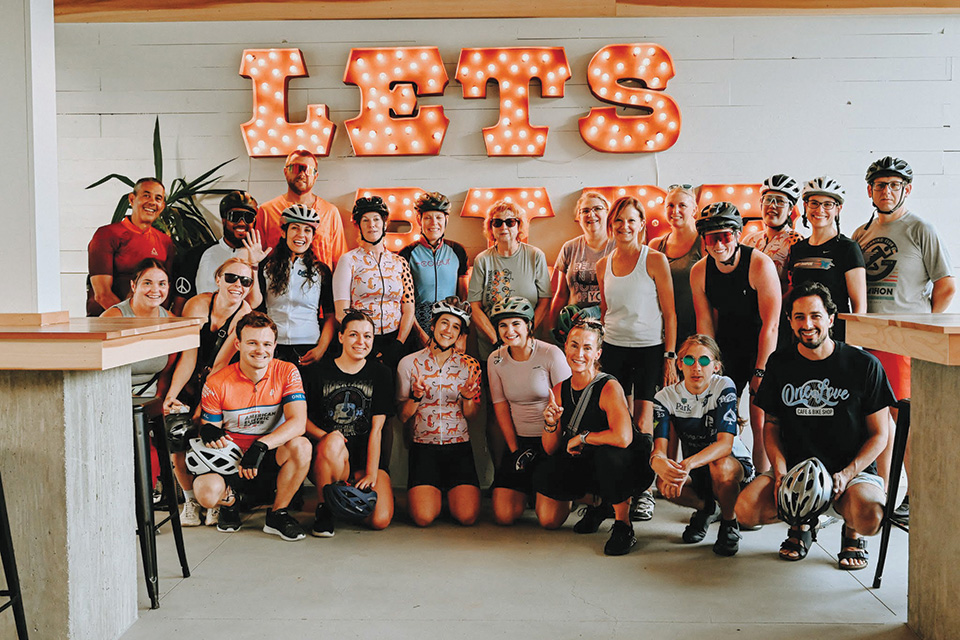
{"x": 300, "y": 170}
{"x": 116, "y": 249}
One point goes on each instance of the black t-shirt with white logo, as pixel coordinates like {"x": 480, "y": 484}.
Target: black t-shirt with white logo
{"x": 822, "y": 405}
{"x": 339, "y": 401}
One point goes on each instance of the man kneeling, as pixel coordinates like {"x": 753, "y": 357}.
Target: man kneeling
{"x": 259, "y": 405}
{"x": 826, "y": 400}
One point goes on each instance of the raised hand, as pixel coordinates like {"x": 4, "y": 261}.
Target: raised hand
{"x": 255, "y": 251}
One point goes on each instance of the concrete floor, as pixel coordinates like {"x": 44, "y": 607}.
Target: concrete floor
{"x": 486, "y": 581}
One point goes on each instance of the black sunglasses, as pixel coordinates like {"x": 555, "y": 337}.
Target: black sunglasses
{"x": 240, "y": 215}
{"x": 230, "y": 278}
{"x": 510, "y": 222}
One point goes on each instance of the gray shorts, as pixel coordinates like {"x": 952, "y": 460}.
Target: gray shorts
{"x": 861, "y": 477}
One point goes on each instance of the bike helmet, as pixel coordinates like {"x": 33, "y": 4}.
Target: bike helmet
{"x": 569, "y": 315}
{"x": 348, "y": 502}
{"x": 889, "y": 166}
{"x": 453, "y": 306}
{"x": 512, "y": 307}
{"x": 824, "y": 186}
{"x": 719, "y": 216}
{"x": 432, "y": 201}
{"x": 203, "y": 459}
{"x": 178, "y": 427}
{"x": 782, "y": 183}
{"x": 237, "y": 200}
{"x": 300, "y": 213}
{"x": 366, "y": 205}
{"x": 805, "y": 493}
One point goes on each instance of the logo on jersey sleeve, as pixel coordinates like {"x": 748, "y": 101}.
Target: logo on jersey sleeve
{"x": 814, "y": 397}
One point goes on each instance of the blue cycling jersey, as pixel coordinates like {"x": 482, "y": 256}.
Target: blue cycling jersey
{"x": 435, "y": 274}
{"x": 698, "y": 418}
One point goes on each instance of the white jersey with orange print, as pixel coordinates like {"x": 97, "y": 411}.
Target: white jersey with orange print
{"x": 439, "y": 418}
{"x": 377, "y": 284}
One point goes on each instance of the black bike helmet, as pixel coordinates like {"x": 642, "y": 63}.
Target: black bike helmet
{"x": 179, "y": 428}
{"x": 373, "y": 204}
{"x": 719, "y": 216}
{"x": 348, "y": 502}
{"x": 432, "y": 201}
{"x": 889, "y": 166}
{"x": 237, "y": 200}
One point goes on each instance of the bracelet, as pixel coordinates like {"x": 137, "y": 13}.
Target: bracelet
{"x": 583, "y": 437}
{"x": 758, "y": 373}
{"x": 416, "y": 399}
{"x": 550, "y": 427}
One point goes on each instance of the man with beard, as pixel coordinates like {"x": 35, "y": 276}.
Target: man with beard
{"x": 827, "y": 400}
{"x": 300, "y": 171}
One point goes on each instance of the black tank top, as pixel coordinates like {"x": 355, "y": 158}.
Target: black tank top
{"x": 738, "y": 310}
{"x": 212, "y": 339}
{"x": 594, "y": 418}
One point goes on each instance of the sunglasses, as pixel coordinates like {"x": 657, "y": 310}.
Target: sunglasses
{"x": 589, "y": 323}
{"x": 510, "y": 222}
{"x": 689, "y": 360}
{"x": 688, "y": 187}
{"x": 240, "y": 215}
{"x": 230, "y": 278}
{"x": 722, "y": 237}
{"x": 300, "y": 168}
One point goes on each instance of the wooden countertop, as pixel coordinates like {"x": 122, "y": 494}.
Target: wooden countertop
{"x": 94, "y": 343}
{"x": 927, "y": 336}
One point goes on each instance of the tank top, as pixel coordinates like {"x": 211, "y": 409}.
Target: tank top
{"x": 682, "y": 294}
{"x": 633, "y": 317}
{"x": 143, "y": 371}
{"x": 594, "y": 418}
{"x": 738, "y": 309}
{"x": 212, "y": 339}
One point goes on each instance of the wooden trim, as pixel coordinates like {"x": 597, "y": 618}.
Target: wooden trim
{"x": 34, "y": 319}
{"x": 95, "y": 328}
{"x": 233, "y": 10}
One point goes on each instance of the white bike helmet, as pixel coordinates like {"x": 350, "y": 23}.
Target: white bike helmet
{"x": 805, "y": 492}
{"x": 300, "y": 213}
{"x": 824, "y": 186}
{"x": 453, "y": 306}
{"x": 784, "y": 184}
{"x": 202, "y": 459}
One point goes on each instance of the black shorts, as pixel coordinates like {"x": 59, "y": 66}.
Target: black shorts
{"x": 607, "y": 472}
{"x": 507, "y": 476}
{"x": 702, "y": 484}
{"x": 739, "y": 363}
{"x": 443, "y": 466}
{"x": 261, "y": 489}
{"x": 638, "y": 369}
{"x": 357, "y": 450}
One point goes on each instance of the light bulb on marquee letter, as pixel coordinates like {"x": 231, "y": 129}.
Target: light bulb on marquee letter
{"x": 604, "y": 129}
{"x": 403, "y": 226}
{"x": 268, "y": 133}
{"x": 651, "y": 198}
{"x": 533, "y": 200}
{"x": 513, "y": 69}
{"x": 390, "y": 79}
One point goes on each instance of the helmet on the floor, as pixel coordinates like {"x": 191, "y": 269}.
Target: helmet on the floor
{"x": 348, "y": 502}
{"x": 889, "y": 166}
{"x": 805, "y": 492}
{"x": 784, "y": 184}
{"x": 719, "y": 216}
{"x": 569, "y": 315}
{"x": 178, "y": 427}
{"x": 203, "y": 459}
{"x": 512, "y": 307}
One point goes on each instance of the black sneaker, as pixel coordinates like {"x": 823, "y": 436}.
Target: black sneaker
{"x": 323, "y": 524}
{"x": 728, "y": 540}
{"x": 699, "y": 522}
{"x": 593, "y": 517}
{"x": 229, "y": 519}
{"x": 621, "y": 539}
{"x": 281, "y": 523}
{"x": 902, "y": 513}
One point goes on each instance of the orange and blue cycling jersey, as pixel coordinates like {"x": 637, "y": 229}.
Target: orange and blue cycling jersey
{"x": 245, "y": 409}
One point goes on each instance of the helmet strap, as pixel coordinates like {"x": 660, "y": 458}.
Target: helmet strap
{"x": 732, "y": 258}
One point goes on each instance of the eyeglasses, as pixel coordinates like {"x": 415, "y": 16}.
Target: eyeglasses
{"x": 895, "y": 187}
{"x": 816, "y": 204}
{"x": 300, "y": 168}
{"x": 499, "y": 222}
{"x": 689, "y": 360}
{"x": 720, "y": 237}
{"x": 240, "y": 215}
{"x": 230, "y": 278}
{"x": 774, "y": 201}
{"x": 597, "y": 210}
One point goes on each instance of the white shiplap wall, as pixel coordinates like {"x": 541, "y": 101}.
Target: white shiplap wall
{"x": 800, "y": 95}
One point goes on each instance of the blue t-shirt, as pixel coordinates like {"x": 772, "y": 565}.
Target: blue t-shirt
{"x": 698, "y": 418}
{"x": 435, "y": 274}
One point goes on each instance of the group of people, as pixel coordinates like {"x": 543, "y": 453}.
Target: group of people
{"x": 309, "y": 349}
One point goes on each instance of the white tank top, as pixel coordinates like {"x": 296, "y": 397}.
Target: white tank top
{"x": 633, "y": 317}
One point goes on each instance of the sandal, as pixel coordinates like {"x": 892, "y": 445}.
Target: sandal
{"x": 804, "y": 540}
{"x": 852, "y": 549}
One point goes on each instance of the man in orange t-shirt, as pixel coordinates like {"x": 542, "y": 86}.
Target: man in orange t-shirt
{"x": 300, "y": 171}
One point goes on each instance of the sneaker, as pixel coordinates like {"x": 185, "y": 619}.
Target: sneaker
{"x": 323, "y": 524}
{"x": 281, "y": 523}
{"x": 753, "y": 527}
{"x": 621, "y": 539}
{"x": 641, "y": 509}
{"x": 902, "y": 513}
{"x": 728, "y": 540}
{"x": 699, "y": 522}
{"x": 190, "y": 514}
{"x": 228, "y": 520}
{"x": 593, "y": 517}
{"x": 212, "y": 516}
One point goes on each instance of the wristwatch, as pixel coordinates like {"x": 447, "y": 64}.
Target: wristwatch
{"x": 670, "y": 355}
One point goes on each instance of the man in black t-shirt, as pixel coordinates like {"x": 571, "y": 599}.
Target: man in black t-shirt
{"x": 828, "y": 400}
{"x": 348, "y": 401}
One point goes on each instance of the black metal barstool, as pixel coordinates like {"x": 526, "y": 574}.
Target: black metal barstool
{"x": 146, "y": 523}
{"x": 896, "y": 465}
{"x": 10, "y": 571}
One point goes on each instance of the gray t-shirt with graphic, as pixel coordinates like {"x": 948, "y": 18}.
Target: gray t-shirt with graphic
{"x": 903, "y": 259}
{"x": 578, "y": 264}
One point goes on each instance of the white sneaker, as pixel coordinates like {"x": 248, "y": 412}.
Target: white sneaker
{"x": 190, "y": 514}
{"x": 212, "y": 516}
